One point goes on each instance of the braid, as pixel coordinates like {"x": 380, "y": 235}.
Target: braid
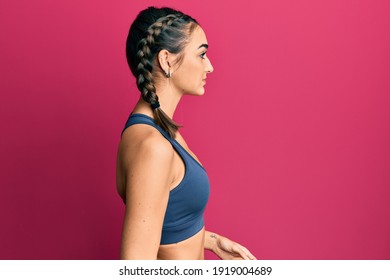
{"x": 145, "y": 67}
{"x": 145, "y": 81}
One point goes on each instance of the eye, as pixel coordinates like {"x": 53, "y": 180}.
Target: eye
{"x": 203, "y": 55}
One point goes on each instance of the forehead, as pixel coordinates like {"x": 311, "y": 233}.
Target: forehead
{"x": 198, "y": 38}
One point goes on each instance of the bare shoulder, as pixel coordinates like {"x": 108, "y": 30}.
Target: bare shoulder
{"x": 143, "y": 141}
{"x": 144, "y": 155}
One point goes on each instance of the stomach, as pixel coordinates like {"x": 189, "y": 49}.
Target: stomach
{"x": 189, "y": 249}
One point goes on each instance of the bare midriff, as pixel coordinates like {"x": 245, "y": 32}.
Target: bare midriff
{"x": 189, "y": 249}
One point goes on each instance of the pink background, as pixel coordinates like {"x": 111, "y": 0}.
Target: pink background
{"x": 293, "y": 129}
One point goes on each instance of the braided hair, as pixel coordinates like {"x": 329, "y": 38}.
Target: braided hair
{"x": 153, "y": 30}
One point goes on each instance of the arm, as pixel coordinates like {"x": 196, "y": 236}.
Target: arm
{"x": 147, "y": 192}
{"x": 225, "y": 248}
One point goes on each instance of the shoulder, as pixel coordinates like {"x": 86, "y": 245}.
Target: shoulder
{"x": 156, "y": 146}
{"x": 142, "y": 143}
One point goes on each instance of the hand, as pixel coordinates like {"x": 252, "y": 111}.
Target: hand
{"x": 226, "y": 249}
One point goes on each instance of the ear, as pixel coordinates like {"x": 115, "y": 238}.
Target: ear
{"x": 163, "y": 59}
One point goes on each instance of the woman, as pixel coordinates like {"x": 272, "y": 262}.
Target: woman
{"x": 162, "y": 183}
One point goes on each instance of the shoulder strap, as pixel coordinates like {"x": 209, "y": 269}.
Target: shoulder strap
{"x": 144, "y": 119}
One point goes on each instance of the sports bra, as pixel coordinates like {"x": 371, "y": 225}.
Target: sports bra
{"x": 187, "y": 201}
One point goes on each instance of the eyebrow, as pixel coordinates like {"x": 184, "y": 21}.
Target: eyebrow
{"x": 204, "y": 46}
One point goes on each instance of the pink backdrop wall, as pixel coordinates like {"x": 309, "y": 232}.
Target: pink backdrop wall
{"x": 293, "y": 129}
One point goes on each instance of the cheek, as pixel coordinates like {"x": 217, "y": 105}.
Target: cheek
{"x": 193, "y": 68}
{"x": 189, "y": 76}
{"x": 198, "y": 70}
{"x": 192, "y": 71}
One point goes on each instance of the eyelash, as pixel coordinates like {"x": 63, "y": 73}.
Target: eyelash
{"x": 202, "y": 55}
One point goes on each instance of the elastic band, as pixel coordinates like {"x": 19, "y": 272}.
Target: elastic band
{"x": 155, "y": 105}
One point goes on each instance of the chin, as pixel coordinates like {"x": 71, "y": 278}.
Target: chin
{"x": 200, "y": 92}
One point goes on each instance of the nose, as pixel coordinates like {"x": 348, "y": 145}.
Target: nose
{"x": 209, "y": 66}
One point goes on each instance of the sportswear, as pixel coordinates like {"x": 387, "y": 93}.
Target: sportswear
{"x": 187, "y": 201}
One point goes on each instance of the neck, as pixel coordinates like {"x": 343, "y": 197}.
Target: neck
{"x": 168, "y": 99}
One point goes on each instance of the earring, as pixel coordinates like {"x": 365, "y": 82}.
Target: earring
{"x": 168, "y": 74}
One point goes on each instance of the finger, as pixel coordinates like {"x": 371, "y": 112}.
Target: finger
{"x": 240, "y": 250}
{"x": 249, "y": 254}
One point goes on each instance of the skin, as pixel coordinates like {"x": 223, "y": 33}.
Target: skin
{"x": 148, "y": 167}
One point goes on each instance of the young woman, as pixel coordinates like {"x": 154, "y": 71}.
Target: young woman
{"x": 163, "y": 184}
